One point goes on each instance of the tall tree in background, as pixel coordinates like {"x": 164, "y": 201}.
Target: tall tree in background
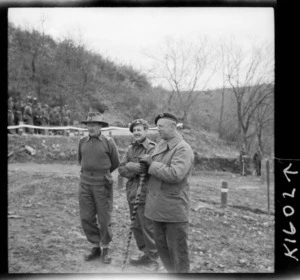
{"x": 263, "y": 119}
{"x": 250, "y": 75}
{"x": 222, "y": 65}
{"x": 186, "y": 69}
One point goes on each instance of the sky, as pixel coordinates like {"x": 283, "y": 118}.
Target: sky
{"x": 124, "y": 34}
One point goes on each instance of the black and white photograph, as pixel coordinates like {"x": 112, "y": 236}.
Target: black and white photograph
{"x": 177, "y": 104}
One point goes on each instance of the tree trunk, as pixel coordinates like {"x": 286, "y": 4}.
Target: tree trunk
{"x": 221, "y": 114}
{"x": 185, "y": 118}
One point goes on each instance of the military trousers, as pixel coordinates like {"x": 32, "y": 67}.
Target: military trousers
{"x": 95, "y": 207}
{"x": 172, "y": 244}
{"x": 143, "y": 232}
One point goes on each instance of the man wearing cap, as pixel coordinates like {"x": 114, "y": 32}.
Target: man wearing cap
{"x": 131, "y": 169}
{"x": 98, "y": 157}
{"x": 168, "y": 197}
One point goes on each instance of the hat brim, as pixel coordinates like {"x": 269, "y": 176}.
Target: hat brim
{"x": 105, "y": 124}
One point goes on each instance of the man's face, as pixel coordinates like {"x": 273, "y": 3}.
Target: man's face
{"x": 139, "y": 132}
{"x": 94, "y": 128}
{"x": 165, "y": 128}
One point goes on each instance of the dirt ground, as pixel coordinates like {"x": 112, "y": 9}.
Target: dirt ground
{"x": 45, "y": 236}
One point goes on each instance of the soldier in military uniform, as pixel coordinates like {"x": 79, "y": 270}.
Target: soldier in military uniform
{"x": 98, "y": 157}
{"x": 168, "y": 197}
{"x": 18, "y": 111}
{"x": 27, "y": 116}
{"x": 244, "y": 162}
{"x": 257, "y": 161}
{"x": 37, "y": 117}
{"x": 34, "y": 103}
{"x": 131, "y": 169}
{"x": 55, "y": 118}
{"x": 66, "y": 117}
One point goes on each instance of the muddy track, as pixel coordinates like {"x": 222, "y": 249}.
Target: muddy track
{"x": 45, "y": 235}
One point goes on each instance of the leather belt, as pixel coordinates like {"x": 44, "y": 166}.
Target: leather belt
{"x": 93, "y": 173}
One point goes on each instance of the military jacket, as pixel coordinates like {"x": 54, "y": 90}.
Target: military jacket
{"x": 168, "y": 196}
{"x": 134, "y": 151}
{"x": 45, "y": 116}
{"x": 257, "y": 157}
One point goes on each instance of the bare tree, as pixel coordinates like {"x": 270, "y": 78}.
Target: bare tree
{"x": 250, "y": 74}
{"x": 263, "y": 119}
{"x": 222, "y": 59}
{"x": 186, "y": 69}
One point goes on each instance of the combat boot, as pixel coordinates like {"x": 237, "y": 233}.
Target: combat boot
{"x": 105, "y": 258}
{"x": 95, "y": 253}
{"x": 142, "y": 260}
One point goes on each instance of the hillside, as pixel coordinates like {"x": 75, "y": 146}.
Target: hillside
{"x": 66, "y": 72}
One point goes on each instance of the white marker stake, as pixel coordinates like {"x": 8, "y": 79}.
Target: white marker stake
{"x": 224, "y": 191}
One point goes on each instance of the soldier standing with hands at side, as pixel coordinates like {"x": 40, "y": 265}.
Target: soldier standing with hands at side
{"x": 98, "y": 157}
{"x": 168, "y": 196}
{"x": 257, "y": 161}
{"x": 131, "y": 169}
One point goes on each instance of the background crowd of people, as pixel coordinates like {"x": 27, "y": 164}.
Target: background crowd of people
{"x": 33, "y": 112}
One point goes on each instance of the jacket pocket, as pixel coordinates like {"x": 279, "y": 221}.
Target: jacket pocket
{"x": 170, "y": 189}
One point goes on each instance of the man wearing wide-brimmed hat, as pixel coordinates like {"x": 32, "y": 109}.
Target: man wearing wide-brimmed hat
{"x": 131, "y": 169}
{"x": 98, "y": 157}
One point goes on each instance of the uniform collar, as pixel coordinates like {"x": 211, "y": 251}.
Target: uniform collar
{"x": 171, "y": 143}
{"x": 145, "y": 143}
{"x": 100, "y": 137}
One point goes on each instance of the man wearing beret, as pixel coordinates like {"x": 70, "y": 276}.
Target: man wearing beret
{"x": 168, "y": 197}
{"x": 131, "y": 169}
{"x": 98, "y": 157}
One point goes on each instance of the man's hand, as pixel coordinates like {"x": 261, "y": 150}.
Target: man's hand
{"x": 136, "y": 167}
{"x": 146, "y": 160}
